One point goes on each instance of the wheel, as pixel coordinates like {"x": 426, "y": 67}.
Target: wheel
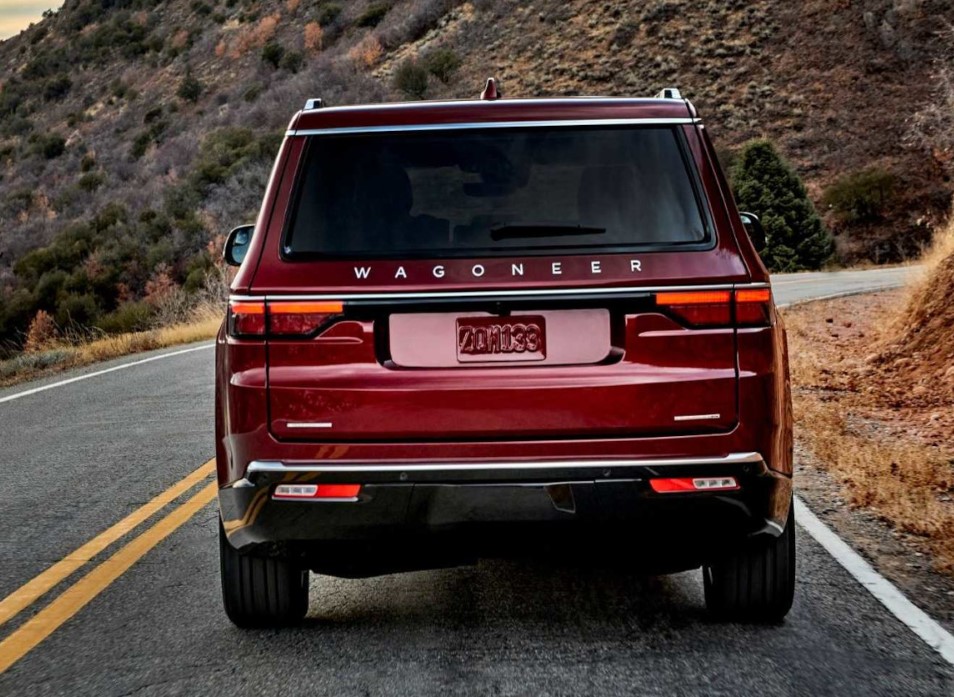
{"x": 757, "y": 583}
{"x": 261, "y": 591}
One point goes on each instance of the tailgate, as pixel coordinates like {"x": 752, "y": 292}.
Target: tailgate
{"x": 533, "y": 369}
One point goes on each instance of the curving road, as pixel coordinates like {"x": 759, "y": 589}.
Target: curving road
{"x": 139, "y": 613}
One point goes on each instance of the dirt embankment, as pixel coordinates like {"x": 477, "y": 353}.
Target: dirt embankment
{"x": 916, "y": 362}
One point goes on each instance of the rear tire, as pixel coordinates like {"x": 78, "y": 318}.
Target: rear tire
{"x": 756, "y": 583}
{"x": 261, "y": 591}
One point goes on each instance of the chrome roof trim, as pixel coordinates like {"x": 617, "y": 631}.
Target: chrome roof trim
{"x": 522, "y": 293}
{"x": 393, "y": 128}
{"x": 479, "y": 103}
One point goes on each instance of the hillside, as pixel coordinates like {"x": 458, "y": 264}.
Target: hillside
{"x": 135, "y": 133}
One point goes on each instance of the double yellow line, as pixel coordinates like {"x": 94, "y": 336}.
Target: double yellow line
{"x": 77, "y": 596}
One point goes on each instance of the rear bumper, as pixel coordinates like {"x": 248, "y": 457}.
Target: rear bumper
{"x": 485, "y": 508}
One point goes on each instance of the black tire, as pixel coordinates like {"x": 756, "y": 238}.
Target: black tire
{"x": 756, "y": 583}
{"x": 261, "y": 591}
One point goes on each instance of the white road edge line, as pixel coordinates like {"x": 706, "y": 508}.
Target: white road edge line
{"x": 913, "y": 617}
{"x": 61, "y": 383}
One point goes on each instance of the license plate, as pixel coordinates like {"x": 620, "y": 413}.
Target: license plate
{"x": 491, "y": 339}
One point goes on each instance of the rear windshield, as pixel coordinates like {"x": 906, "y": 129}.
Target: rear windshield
{"x": 495, "y": 191}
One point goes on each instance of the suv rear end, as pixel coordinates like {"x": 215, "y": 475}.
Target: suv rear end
{"x": 501, "y": 327}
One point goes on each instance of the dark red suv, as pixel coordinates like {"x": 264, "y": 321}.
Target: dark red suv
{"x": 501, "y": 327}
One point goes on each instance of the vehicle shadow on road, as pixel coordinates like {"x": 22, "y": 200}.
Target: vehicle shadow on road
{"x": 509, "y": 593}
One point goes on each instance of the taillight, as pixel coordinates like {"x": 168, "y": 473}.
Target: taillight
{"x": 713, "y": 308}
{"x": 300, "y": 318}
{"x": 246, "y": 318}
{"x": 753, "y": 307}
{"x": 699, "y": 308}
{"x": 285, "y": 318}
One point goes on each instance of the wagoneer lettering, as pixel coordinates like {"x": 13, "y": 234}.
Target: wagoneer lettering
{"x": 476, "y": 329}
{"x": 492, "y": 271}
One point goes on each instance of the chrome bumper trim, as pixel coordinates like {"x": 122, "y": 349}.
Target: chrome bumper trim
{"x": 275, "y": 467}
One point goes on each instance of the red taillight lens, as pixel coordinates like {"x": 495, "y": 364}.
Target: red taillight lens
{"x": 702, "y": 308}
{"x": 317, "y": 491}
{"x": 246, "y": 318}
{"x": 300, "y": 318}
{"x": 753, "y": 307}
{"x": 677, "y": 485}
{"x": 713, "y": 308}
{"x": 252, "y": 318}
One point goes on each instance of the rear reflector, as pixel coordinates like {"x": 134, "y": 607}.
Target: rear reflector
{"x": 684, "y": 484}
{"x": 317, "y": 491}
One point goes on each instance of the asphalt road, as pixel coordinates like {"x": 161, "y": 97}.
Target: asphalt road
{"x": 77, "y": 458}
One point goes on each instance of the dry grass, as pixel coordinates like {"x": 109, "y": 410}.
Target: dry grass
{"x": 878, "y": 454}
{"x": 203, "y": 325}
{"x": 917, "y": 303}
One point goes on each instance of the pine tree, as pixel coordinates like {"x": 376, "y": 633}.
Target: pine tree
{"x": 765, "y": 184}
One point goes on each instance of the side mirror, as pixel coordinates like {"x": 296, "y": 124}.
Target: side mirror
{"x": 753, "y": 226}
{"x": 236, "y": 246}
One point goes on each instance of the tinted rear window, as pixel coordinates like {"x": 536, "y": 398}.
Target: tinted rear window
{"x": 495, "y": 191}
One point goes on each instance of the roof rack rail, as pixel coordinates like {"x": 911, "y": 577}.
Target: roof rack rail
{"x": 668, "y": 93}
{"x": 313, "y": 104}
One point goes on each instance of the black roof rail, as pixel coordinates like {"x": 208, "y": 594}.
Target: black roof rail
{"x": 668, "y": 93}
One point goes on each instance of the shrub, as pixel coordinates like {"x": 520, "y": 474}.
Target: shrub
{"x": 313, "y": 37}
{"x": 860, "y": 196}
{"x": 18, "y": 201}
{"x": 366, "y": 53}
{"x": 292, "y": 61}
{"x": 272, "y": 53}
{"x": 257, "y": 36}
{"x": 56, "y": 87}
{"x": 372, "y": 16}
{"x": 77, "y": 311}
{"x": 128, "y": 317}
{"x": 442, "y": 64}
{"x": 91, "y": 181}
{"x": 411, "y": 79}
{"x": 140, "y": 145}
{"x": 190, "y": 88}
{"x": 328, "y": 13}
{"x": 768, "y": 186}
{"x": 152, "y": 115}
{"x": 42, "y": 333}
{"x": 15, "y": 125}
{"x": 49, "y": 145}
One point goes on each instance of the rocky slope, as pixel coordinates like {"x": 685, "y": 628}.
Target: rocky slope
{"x": 134, "y": 133}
